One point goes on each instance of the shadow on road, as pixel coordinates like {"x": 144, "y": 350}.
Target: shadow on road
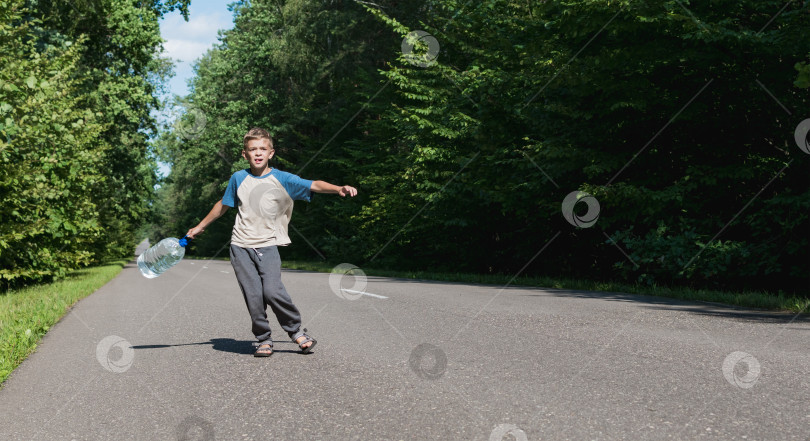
{"x": 695, "y": 307}
{"x": 242, "y": 347}
{"x": 650, "y": 301}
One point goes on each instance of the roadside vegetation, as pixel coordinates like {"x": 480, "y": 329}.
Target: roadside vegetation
{"x": 79, "y": 83}
{"x": 27, "y": 314}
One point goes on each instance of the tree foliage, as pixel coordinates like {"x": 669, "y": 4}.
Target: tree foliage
{"x": 78, "y": 81}
{"x": 677, "y": 116}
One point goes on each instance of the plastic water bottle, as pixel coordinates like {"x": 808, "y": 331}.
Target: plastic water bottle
{"x": 157, "y": 259}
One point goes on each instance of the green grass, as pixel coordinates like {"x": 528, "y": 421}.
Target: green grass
{"x": 27, "y": 314}
{"x": 750, "y": 299}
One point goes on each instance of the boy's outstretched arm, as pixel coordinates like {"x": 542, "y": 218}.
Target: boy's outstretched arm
{"x": 325, "y": 187}
{"x": 218, "y": 210}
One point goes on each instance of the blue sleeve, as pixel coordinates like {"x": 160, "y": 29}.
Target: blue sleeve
{"x": 229, "y": 199}
{"x": 297, "y": 187}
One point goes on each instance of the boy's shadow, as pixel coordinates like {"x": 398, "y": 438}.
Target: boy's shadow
{"x": 242, "y": 347}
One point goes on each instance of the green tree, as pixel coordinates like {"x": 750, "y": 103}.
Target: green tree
{"x": 560, "y": 96}
{"x": 671, "y": 114}
{"x": 79, "y": 80}
{"x": 49, "y": 151}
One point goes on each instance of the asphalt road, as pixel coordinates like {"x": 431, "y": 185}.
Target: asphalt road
{"x": 170, "y": 359}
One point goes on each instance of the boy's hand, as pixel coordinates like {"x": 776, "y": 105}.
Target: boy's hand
{"x": 347, "y": 190}
{"x": 325, "y": 187}
{"x": 194, "y": 231}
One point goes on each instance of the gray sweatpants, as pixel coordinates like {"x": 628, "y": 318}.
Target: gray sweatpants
{"x": 258, "y": 271}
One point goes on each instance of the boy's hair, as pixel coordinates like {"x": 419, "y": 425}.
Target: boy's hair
{"x": 257, "y": 133}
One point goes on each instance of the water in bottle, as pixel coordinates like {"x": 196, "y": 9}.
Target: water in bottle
{"x": 157, "y": 259}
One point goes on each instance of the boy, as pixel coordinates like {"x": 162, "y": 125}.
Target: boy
{"x": 264, "y": 197}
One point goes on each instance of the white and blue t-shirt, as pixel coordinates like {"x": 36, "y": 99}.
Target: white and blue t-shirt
{"x": 265, "y": 205}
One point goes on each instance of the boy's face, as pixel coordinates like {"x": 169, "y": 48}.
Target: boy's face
{"x": 258, "y": 152}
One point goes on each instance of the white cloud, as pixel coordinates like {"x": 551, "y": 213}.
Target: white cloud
{"x": 188, "y": 41}
{"x": 184, "y": 50}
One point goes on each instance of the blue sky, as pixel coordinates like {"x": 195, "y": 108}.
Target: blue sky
{"x": 188, "y": 41}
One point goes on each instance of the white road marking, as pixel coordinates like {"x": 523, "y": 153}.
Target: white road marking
{"x": 364, "y": 293}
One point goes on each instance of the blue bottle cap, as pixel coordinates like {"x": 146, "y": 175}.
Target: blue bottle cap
{"x": 184, "y": 241}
